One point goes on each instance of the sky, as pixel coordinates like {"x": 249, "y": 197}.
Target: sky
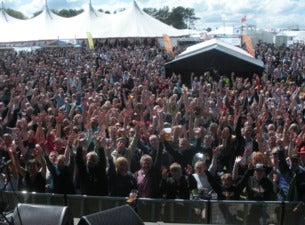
{"x": 266, "y": 14}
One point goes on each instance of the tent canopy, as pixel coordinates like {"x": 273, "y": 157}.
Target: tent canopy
{"x": 131, "y": 23}
{"x": 214, "y": 55}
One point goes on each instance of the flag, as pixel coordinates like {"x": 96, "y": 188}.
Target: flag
{"x": 167, "y": 43}
{"x": 90, "y": 40}
{"x": 243, "y": 19}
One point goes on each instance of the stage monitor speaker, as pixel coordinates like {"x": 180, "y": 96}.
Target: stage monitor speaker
{"x": 116, "y": 216}
{"x": 32, "y": 214}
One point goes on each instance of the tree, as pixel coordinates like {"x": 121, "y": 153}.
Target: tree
{"x": 68, "y": 12}
{"x": 179, "y": 17}
{"x": 15, "y": 14}
{"x": 37, "y": 13}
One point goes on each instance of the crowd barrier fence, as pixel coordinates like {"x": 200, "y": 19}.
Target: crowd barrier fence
{"x": 171, "y": 211}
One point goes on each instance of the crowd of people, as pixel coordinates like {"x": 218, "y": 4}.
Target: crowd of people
{"x": 109, "y": 121}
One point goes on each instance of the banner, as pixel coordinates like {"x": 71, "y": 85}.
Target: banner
{"x": 236, "y": 30}
{"x": 90, "y": 40}
{"x": 167, "y": 43}
{"x": 248, "y": 45}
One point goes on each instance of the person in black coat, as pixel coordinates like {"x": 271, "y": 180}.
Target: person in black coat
{"x": 33, "y": 175}
{"x": 121, "y": 180}
{"x": 227, "y": 190}
{"x": 244, "y": 139}
{"x": 92, "y": 169}
{"x": 177, "y": 185}
{"x": 259, "y": 188}
{"x": 62, "y": 175}
{"x": 184, "y": 154}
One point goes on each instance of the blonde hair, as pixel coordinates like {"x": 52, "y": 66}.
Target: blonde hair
{"x": 146, "y": 157}
{"x": 93, "y": 155}
{"x": 120, "y": 160}
{"x": 226, "y": 176}
{"x": 174, "y": 166}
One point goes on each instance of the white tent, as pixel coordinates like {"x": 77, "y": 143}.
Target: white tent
{"x": 300, "y": 36}
{"x": 45, "y": 26}
{"x": 132, "y": 22}
{"x": 287, "y": 37}
{"x": 8, "y": 25}
{"x": 91, "y": 21}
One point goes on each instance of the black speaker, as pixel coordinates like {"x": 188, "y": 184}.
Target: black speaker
{"x": 32, "y": 214}
{"x": 116, "y": 216}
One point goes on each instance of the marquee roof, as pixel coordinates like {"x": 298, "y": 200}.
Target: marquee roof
{"x": 215, "y": 54}
{"x": 133, "y": 22}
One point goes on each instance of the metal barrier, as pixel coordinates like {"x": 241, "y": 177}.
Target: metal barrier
{"x": 172, "y": 211}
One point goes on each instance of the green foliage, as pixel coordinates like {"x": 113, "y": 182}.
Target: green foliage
{"x": 36, "y": 13}
{"x": 68, "y": 12}
{"x": 179, "y": 17}
{"x": 15, "y": 14}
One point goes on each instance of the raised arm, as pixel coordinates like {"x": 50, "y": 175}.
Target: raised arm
{"x": 40, "y": 158}
{"x": 213, "y": 166}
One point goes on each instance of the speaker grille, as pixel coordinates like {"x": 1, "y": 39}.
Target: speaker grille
{"x": 116, "y": 216}
{"x": 31, "y": 214}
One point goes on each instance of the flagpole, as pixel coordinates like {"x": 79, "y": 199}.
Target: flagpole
{"x": 243, "y": 20}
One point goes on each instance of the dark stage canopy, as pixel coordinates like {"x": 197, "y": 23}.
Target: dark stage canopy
{"x": 214, "y": 55}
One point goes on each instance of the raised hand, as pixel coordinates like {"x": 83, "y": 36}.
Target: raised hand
{"x": 238, "y": 159}
{"x": 164, "y": 173}
{"x": 188, "y": 169}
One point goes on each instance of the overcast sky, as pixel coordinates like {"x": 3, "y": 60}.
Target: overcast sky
{"x": 264, "y": 14}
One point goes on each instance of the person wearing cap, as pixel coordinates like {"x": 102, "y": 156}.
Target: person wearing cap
{"x": 259, "y": 188}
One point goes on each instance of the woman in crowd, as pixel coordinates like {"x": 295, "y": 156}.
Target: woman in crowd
{"x": 121, "y": 180}
{"x": 34, "y": 175}
{"x": 176, "y": 185}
